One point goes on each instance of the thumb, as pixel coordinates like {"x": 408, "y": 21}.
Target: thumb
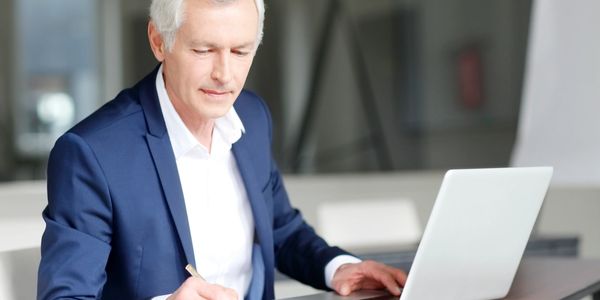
{"x": 345, "y": 289}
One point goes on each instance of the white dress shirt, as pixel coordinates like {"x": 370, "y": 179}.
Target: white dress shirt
{"x": 218, "y": 210}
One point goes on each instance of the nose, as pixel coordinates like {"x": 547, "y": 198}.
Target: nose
{"x": 221, "y": 71}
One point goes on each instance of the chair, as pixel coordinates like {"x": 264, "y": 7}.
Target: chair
{"x": 369, "y": 223}
{"x": 18, "y": 273}
{"x": 21, "y": 205}
{"x": 21, "y": 227}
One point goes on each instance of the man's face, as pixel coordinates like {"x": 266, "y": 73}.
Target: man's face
{"x": 207, "y": 66}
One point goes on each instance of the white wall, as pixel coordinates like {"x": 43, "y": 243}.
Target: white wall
{"x": 561, "y": 101}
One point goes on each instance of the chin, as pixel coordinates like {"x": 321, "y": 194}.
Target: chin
{"x": 217, "y": 112}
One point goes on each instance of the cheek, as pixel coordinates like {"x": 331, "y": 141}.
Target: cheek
{"x": 195, "y": 77}
{"x": 242, "y": 70}
{"x": 195, "y": 67}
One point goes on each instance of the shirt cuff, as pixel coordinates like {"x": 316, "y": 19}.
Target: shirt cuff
{"x": 335, "y": 263}
{"x": 163, "y": 297}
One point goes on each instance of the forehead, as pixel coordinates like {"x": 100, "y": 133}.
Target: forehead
{"x": 220, "y": 21}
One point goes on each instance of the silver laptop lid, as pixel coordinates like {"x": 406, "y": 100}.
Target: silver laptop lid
{"x": 476, "y": 233}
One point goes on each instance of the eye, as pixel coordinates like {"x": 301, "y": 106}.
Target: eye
{"x": 201, "y": 51}
{"x": 240, "y": 53}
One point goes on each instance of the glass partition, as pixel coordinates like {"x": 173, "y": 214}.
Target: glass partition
{"x": 56, "y": 70}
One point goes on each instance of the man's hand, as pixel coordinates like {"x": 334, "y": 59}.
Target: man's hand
{"x": 195, "y": 288}
{"x": 367, "y": 275}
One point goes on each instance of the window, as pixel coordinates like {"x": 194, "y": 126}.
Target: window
{"x": 56, "y": 70}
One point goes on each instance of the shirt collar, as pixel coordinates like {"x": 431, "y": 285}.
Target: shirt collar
{"x": 229, "y": 126}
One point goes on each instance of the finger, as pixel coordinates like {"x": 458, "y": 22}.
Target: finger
{"x": 345, "y": 289}
{"x": 379, "y": 281}
{"x": 391, "y": 285}
{"x": 217, "y": 292}
{"x": 385, "y": 276}
{"x": 400, "y": 276}
{"x": 348, "y": 286}
{"x": 356, "y": 277}
{"x": 188, "y": 290}
{"x": 209, "y": 291}
{"x": 232, "y": 294}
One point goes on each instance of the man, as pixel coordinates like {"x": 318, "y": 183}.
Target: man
{"x": 178, "y": 170}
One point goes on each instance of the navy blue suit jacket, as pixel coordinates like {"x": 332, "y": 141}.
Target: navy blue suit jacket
{"x": 116, "y": 223}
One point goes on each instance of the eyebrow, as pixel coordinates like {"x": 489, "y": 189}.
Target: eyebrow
{"x": 197, "y": 43}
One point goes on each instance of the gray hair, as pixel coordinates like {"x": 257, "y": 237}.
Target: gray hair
{"x": 168, "y": 15}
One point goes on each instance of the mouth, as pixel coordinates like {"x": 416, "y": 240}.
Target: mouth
{"x": 215, "y": 93}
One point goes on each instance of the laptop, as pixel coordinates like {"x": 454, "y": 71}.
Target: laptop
{"x": 475, "y": 237}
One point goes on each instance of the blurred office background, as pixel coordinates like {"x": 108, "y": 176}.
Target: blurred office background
{"x": 372, "y": 101}
{"x": 366, "y": 96}
{"x": 354, "y": 86}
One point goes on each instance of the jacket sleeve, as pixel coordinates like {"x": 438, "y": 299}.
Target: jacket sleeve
{"x": 76, "y": 242}
{"x": 299, "y": 252}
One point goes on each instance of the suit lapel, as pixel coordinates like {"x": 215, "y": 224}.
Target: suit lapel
{"x": 259, "y": 210}
{"x": 164, "y": 160}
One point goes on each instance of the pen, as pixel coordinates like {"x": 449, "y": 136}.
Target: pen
{"x": 193, "y": 271}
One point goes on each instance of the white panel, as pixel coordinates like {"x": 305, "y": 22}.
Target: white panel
{"x": 18, "y": 273}
{"x": 560, "y": 122}
{"x": 369, "y": 223}
{"x": 21, "y": 223}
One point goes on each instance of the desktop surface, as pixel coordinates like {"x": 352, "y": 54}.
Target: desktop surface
{"x": 537, "y": 278}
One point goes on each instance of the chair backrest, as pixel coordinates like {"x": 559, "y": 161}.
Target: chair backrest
{"x": 369, "y": 223}
{"x": 21, "y": 205}
{"x": 18, "y": 273}
{"x": 21, "y": 227}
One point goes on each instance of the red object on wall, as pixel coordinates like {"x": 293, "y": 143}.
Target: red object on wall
{"x": 470, "y": 77}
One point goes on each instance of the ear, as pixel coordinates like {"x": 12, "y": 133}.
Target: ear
{"x": 156, "y": 42}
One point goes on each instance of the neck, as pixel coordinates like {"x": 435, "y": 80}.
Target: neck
{"x": 202, "y": 131}
{"x": 201, "y": 128}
